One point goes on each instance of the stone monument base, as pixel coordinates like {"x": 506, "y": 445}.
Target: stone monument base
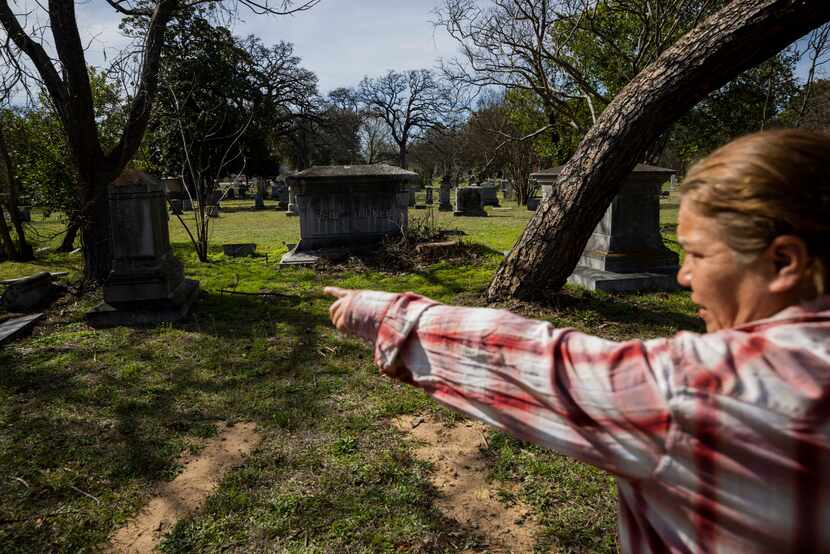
{"x": 175, "y": 308}
{"x": 300, "y": 258}
{"x": 334, "y": 254}
{"x": 445, "y": 208}
{"x": 470, "y": 213}
{"x": 607, "y": 281}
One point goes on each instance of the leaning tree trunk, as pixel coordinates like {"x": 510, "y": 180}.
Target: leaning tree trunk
{"x": 738, "y": 37}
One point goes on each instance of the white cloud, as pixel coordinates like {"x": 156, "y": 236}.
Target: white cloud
{"x": 344, "y": 40}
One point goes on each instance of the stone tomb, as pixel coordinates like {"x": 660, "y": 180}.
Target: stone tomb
{"x": 468, "y": 202}
{"x": 146, "y": 284}
{"x": 346, "y": 209}
{"x": 626, "y": 251}
{"x": 490, "y": 195}
{"x": 533, "y": 203}
{"x": 429, "y": 198}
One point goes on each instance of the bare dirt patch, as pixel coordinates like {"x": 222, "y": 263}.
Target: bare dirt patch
{"x": 460, "y": 476}
{"x": 187, "y": 492}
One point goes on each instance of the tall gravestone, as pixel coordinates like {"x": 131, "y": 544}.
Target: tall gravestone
{"x": 347, "y": 209}
{"x": 259, "y": 198}
{"x": 444, "y": 204}
{"x": 146, "y": 284}
{"x": 626, "y": 251}
{"x": 429, "y": 198}
{"x": 468, "y": 202}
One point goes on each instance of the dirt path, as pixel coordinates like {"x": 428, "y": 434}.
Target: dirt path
{"x": 187, "y": 492}
{"x": 459, "y": 476}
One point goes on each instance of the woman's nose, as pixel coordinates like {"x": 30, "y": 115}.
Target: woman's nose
{"x": 684, "y": 275}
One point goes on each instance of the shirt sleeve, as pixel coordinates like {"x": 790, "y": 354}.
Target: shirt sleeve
{"x": 602, "y": 402}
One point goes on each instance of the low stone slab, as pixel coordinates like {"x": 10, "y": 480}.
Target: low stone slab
{"x": 149, "y": 313}
{"x": 435, "y": 250}
{"x": 18, "y": 326}
{"x": 299, "y": 258}
{"x": 607, "y": 281}
{"x": 533, "y": 203}
{"x": 24, "y": 294}
{"x": 239, "y": 250}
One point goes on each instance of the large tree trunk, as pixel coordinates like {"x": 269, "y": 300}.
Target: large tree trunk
{"x": 402, "y": 156}
{"x": 739, "y": 36}
{"x": 95, "y": 231}
{"x": 23, "y": 251}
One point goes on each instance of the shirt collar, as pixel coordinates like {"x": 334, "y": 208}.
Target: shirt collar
{"x": 818, "y": 308}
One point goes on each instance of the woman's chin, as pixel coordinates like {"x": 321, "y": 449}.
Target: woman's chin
{"x": 711, "y": 324}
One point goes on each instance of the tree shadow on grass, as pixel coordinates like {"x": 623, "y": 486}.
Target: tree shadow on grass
{"x": 123, "y": 403}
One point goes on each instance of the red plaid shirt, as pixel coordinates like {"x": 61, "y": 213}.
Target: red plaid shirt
{"x": 720, "y": 442}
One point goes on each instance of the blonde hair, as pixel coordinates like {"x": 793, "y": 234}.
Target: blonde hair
{"x": 768, "y": 184}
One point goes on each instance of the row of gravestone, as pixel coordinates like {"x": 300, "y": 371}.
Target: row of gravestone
{"x": 347, "y": 206}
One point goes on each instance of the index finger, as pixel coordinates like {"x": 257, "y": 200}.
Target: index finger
{"x": 336, "y": 291}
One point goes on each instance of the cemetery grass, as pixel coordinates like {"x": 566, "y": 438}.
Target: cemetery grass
{"x": 91, "y": 419}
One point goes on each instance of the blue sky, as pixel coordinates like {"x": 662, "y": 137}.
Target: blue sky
{"x": 340, "y": 40}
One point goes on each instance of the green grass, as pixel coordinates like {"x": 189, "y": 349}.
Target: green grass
{"x": 109, "y": 412}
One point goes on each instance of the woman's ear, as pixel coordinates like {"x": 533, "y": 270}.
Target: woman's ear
{"x": 790, "y": 263}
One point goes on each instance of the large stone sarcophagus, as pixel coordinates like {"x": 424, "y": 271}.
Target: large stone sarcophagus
{"x": 346, "y": 209}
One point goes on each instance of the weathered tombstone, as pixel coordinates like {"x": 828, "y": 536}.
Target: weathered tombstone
{"x": 444, "y": 204}
{"x": 346, "y": 209}
{"x": 507, "y": 191}
{"x": 279, "y": 193}
{"x": 626, "y": 251}
{"x": 412, "y": 201}
{"x": 429, "y": 199}
{"x": 146, "y": 284}
{"x": 22, "y": 295}
{"x": 239, "y": 250}
{"x": 533, "y": 203}
{"x": 468, "y": 202}
{"x": 187, "y": 205}
{"x": 489, "y": 195}
{"x": 173, "y": 188}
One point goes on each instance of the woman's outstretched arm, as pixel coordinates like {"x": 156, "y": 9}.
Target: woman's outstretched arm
{"x": 602, "y": 402}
